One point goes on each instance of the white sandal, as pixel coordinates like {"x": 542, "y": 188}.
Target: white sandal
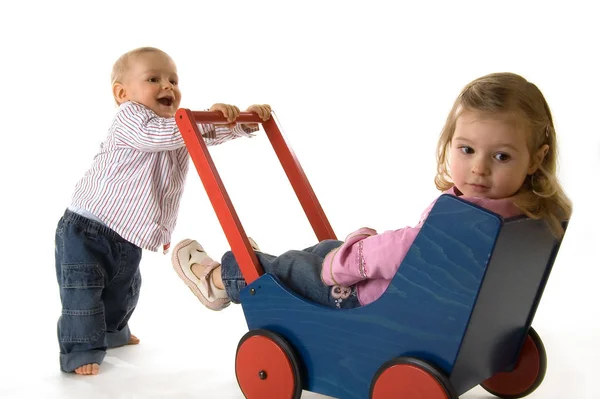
{"x": 185, "y": 254}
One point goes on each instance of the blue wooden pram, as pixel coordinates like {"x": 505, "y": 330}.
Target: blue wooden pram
{"x": 458, "y": 312}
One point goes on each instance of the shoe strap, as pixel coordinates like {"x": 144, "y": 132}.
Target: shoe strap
{"x": 206, "y": 278}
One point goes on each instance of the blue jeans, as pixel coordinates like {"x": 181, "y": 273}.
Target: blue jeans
{"x": 99, "y": 281}
{"x": 300, "y": 271}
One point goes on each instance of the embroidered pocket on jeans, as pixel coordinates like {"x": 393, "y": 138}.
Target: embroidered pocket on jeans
{"x": 340, "y": 292}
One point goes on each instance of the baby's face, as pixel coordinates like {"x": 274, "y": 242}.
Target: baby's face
{"x": 151, "y": 80}
{"x": 489, "y": 157}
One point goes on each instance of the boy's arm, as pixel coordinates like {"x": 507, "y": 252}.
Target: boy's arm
{"x": 140, "y": 128}
{"x": 219, "y": 134}
{"x": 223, "y": 133}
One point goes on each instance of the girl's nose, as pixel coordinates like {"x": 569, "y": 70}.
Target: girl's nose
{"x": 480, "y": 167}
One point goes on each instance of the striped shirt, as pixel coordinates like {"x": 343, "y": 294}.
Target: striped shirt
{"x": 135, "y": 183}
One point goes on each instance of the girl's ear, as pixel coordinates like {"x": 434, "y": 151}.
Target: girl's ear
{"x": 537, "y": 159}
{"x": 119, "y": 93}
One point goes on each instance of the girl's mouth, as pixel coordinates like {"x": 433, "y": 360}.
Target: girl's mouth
{"x": 479, "y": 188}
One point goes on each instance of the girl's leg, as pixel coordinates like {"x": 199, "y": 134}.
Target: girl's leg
{"x": 231, "y": 276}
{"x": 300, "y": 271}
{"x": 324, "y": 247}
{"x": 234, "y": 282}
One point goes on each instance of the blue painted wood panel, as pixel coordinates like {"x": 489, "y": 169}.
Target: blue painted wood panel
{"x": 424, "y": 312}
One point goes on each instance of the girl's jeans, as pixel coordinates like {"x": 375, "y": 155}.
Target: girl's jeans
{"x": 300, "y": 271}
{"x": 99, "y": 281}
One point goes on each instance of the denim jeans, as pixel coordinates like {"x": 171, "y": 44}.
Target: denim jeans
{"x": 99, "y": 281}
{"x": 300, "y": 271}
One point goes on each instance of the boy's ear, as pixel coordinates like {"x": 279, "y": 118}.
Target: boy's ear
{"x": 119, "y": 93}
{"x": 537, "y": 159}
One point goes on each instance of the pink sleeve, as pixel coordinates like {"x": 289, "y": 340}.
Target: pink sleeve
{"x": 367, "y": 255}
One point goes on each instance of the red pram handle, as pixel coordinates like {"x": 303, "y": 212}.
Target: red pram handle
{"x": 187, "y": 122}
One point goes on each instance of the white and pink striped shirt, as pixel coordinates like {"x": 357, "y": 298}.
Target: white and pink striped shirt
{"x": 135, "y": 183}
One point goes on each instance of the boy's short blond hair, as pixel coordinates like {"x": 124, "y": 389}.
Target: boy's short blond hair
{"x": 122, "y": 64}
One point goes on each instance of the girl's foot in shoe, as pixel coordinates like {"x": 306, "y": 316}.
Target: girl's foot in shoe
{"x": 190, "y": 253}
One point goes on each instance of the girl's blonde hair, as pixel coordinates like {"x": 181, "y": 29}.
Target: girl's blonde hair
{"x": 541, "y": 195}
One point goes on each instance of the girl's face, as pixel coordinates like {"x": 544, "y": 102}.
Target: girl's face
{"x": 489, "y": 157}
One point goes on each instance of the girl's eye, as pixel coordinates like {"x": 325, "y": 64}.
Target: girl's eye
{"x": 153, "y": 80}
{"x": 466, "y": 149}
{"x": 502, "y": 157}
{"x": 174, "y": 82}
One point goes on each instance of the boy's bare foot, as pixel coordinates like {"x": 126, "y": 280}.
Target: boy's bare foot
{"x": 133, "y": 340}
{"x": 94, "y": 368}
{"x": 88, "y": 369}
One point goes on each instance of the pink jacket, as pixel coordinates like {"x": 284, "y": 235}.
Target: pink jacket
{"x": 369, "y": 260}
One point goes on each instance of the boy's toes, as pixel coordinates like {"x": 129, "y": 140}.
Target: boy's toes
{"x": 133, "y": 340}
{"x": 88, "y": 369}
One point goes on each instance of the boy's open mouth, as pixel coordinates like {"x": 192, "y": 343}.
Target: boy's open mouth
{"x": 168, "y": 101}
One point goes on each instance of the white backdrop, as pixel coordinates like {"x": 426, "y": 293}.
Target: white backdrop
{"x": 362, "y": 90}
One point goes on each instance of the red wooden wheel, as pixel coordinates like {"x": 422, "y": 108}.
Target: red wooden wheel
{"x": 266, "y": 367}
{"x": 410, "y": 378}
{"x": 527, "y": 375}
